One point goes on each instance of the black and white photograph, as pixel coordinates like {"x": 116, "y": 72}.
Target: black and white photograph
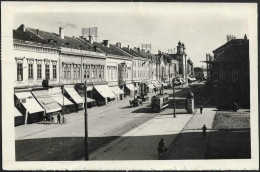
{"x": 129, "y": 86}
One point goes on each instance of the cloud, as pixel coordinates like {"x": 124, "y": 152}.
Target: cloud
{"x": 67, "y": 25}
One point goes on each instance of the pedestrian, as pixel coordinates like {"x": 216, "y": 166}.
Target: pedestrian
{"x": 77, "y": 108}
{"x": 161, "y": 148}
{"x": 201, "y": 109}
{"x": 58, "y": 119}
{"x": 204, "y": 129}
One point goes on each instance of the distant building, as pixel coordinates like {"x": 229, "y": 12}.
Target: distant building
{"x": 229, "y": 71}
{"x": 198, "y": 73}
{"x": 185, "y": 66}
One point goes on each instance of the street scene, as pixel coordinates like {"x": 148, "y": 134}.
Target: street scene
{"x": 107, "y": 87}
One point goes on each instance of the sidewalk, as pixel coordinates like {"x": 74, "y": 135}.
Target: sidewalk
{"x": 141, "y": 143}
{"x": 190, "y": 143}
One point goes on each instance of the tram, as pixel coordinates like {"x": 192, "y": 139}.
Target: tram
{"x": 159, "y": 102}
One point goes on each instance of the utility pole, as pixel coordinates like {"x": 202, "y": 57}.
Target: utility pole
{"x": 86, "y": 123}
{"x": 63, "y": 103}
{"x": 173, "y": 93}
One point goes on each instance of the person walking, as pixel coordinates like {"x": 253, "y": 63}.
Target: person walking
{"x": 204, "y": 129}
{"x": 201, "y": 109}
{"x": 161, "y": 148}
{"x": 58, "y": 119}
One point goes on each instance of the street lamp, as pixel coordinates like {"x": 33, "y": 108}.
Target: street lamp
{"x": 173, "y": 89}
{"x": 86, "y": 123}
{"x": 62, "y": 89}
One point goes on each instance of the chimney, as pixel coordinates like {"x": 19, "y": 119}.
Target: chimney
{"x": 128, "y": 47}
{"x": 105, "y": 43}
{"x": 37, "y": 32}
{"x": 22, "y": 28}
{"x": 95, "y": 48}
{"x": 118, "y": 44}
{"x": 61, "y": 33}
{"x": 245, "y": 37}
{"x": 90, "y": 40}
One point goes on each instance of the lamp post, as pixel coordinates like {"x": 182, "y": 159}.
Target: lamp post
{"x": 86, "y": 123}
{"x": 173, "y": 93}
{"x": 63, "y": 118}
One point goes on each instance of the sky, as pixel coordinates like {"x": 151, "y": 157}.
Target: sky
{"x": 202, "y": 27}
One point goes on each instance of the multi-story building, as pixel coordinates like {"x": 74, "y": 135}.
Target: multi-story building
{"x": 229, "y": 71}
{"x": 118, "y": 69}
{"x": 35, "y": 61}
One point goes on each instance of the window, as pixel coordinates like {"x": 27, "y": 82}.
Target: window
{"x": 100, "y": 72}
{"x": 39, "y": 71}
{"x": 68, "y": 72}
{"x": 30, "y": 71}
{"x": 47, "y": 71}
{"x": 65, "y": 72}
{"x": 221, "y": 75}
{"x": 54, "y": 68}
{"x": 78, "y": 72}
{"x": 85, "y": 73}
{"x": 75, "y": 73}
{"x": 112, "y": 73}
{"x": 246, "y": 76}
{"x": 234, "y": 75}
{"x": 19, "y": 71}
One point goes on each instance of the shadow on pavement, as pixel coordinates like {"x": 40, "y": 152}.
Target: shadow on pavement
{"x": 224, "y": 144}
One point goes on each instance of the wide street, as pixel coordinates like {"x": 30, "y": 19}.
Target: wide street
{"x": 105, "y": 124}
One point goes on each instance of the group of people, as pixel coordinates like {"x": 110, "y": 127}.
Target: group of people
{"x": 50, "y": 119}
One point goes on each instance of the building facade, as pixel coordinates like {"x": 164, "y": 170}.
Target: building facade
{"x": 229, "y": 71}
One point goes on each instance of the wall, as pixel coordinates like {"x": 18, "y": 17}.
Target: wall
{"x": 114, "y": 66}
{"x": 30, "y": 54}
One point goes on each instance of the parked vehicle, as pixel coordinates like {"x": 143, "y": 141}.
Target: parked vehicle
{"x": 159, "y": 102}
{"x": 135, "y": 102}
{"x": 228, "y": 106}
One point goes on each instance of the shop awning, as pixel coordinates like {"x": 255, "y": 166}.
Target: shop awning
{"x": 58, "y": 97}
{"x": 116, "y": 90}
{"x": 162, "y": 83}
{"x": 191, "y": 79}
{"x": 17, "y": 113}
{"x": 104, "y": 91}
{"x": 89, "y": 100}
{"x": 156, "y": 84}
{"x": 151, "y": 86}
{"x": 74, "y": 95}
{"x": 46, "y": 101}
{"x": 131, "y": 87}
{"x": 29, "y": 102}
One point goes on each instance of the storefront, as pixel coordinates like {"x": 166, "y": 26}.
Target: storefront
{"x": 103, "y": 94}
{"x": 47, "y": 102}
{"x": 74, "y": 97}
{"x": 18, "y": 118}
{"x": 130, "y": 90}
{"x": 150, "y": 87}
{"x": 118, "y": 92}
{"x": 57, "y": 95}
{"x": 29, "y": 107}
